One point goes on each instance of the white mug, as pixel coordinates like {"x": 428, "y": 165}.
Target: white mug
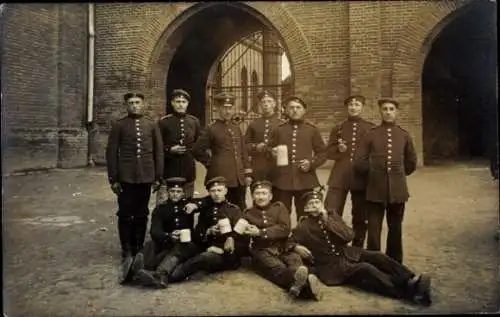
{"x": 185, "y": 235}
{"x": 240, "y": 226}
{"x": 282, "y": 155}
{"x": 225, "y": 226}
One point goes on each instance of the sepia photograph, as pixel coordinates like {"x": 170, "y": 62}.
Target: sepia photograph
{"x": 250, "y": 158}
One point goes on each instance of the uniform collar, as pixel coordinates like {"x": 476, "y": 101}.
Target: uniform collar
{"x": 296, "y": 122}
{"x": 274, "y": 115}
{"x": 179, "y": 115}
{"x": 354, "y": 118}
{"x": 135, "y": 116}
{"x": 388, "y": 124}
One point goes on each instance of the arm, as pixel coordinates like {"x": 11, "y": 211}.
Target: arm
{"x": 249, "y": 140}
{"x": 112, "y": 153}
{"x": 280, "y": 230}
{"x": 246, "y": 159}
{"x": 335, "y": 224}
{"x": 158, "y": 151}
{"x": 201, "y": 146}
{"x": 319, "y": 150}
{"x": 157, "y": 234}
{"x": 410, "y": 156}
{"x": 361, "y": 162}
{"x": 333, "y": 152}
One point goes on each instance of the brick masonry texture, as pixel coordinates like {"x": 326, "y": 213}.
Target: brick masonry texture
{"x": 336, "y": 48}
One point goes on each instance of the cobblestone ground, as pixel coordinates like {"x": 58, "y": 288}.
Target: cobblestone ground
{"x": 61, "y": 253}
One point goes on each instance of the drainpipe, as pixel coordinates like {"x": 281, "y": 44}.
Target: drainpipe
{"x": 90, "y": 86}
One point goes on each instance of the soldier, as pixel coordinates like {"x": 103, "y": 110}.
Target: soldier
{"x": 269, "y": 226}
{"x": 228, "y": 156}
{"x": 134, "y": 156}
{"x": 386, "y": 156}
{"x": 167, "y": 248}
{"x": 343, "y": 144}
{"x": 258, "y": 134}
{"x": 321, "y": 239}
{"x": 213, "y": 234}
{"x": 306, "y": 152}
{"x": 179, "y": 133}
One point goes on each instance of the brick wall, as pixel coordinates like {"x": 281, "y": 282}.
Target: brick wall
{"x": 43, "y": 83}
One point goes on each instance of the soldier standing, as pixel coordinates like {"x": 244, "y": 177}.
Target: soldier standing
{"x": 258, "y": 134}
{"x": 228, "y": 155}
{"x": 179, "y": 133}
{"x": 134, "y": 156}
{"x": 386, "y": 156}
{"x": 306, "y": 152}
{"x": 269, "y": 227}
{"x": 343, "y": 144}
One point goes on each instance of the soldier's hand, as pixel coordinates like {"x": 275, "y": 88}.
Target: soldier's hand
{"x": 213, "y": 230}
{"x": 248, "y": 180}
{"x": 303, "y": 252}
{"x": 274, "y": 151}
{"x": 176, "y": 234}
{"x": 261, "y": 147}
{"x": 342, "y": 147}
{"x": 305, "y": 165}
{"x": 116, "y": 188}
{"x": 190, "y": 207}
{"x": 252, "y": 230}
{"x": 178, "y": 149}
{"x": 229, "y": 245}
{"x": 156, "y": 186}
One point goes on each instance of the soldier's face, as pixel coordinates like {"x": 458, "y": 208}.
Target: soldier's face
{"x": 262, "y": 196}
{"x": 218, "y": 193}
{"x": 226, "y": 111}
{"x": 175, "y": 194}
{"x": 135, "y": 105}
{"x": 388, "y": 111}
{"x": 354, "y": 108}
{"x": 313, "y": 206}
{"x": 179, "y": 104}
{"x": 267, "y": 106}
{"x": 295, "y": 110}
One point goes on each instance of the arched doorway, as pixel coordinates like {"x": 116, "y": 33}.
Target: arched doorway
{"x": 459, "y": 89}
{"x": 200, "y": 58}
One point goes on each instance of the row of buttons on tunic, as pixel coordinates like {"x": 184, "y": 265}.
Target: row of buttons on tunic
{"x": 265, "y": 221}
{"x": 294, "y": 135}
{"x": 176, "y": 211}
{"x": 389, "y": 150}
{"x": 334, "y": 251}
{"x": 233, "y": 137}
{"x": 354, "y": 129}
{"x": 138, "y": 129}
{"x": 266, "y": 131}
{"x": 181, "y": 141}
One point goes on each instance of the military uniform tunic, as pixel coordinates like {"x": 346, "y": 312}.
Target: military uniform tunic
{"x": 180, "y": 129}
{"x": 259, "y": 131}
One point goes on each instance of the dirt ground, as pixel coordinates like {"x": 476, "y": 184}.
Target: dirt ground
{"x": 61, "y": 253}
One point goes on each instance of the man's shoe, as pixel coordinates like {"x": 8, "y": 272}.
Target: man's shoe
{"x": 147, "y": 278}
{"x": 299, "y": 281}
{"x": 316, "y": 287}
{"x": 422, "y": 295}
{"x": 125, "y": 274}
{"x": 138, "y": 263}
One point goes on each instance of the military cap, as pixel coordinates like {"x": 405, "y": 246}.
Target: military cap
{"x": 225, "y": 97}
{"x": 261, "y": 184}
{"x": 129, "y": 95}
{"x": 175, "y": 182}
{"x": 359, "y": 98}
{"x": 181, "y": 92}
{"x": 265, "y": 93}
{"x": 216, "y": 181}
{"x": 381, "y": 101}
{"x": 312, "y": 195}
{"x": 296, "y": 99}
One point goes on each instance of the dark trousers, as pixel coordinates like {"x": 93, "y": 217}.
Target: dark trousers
{"x": 133, "y": 215}
{"x": 277, "y": 268}
{"x": 236, "y": 195}
{"x": 395, "y": 213}
{"x": 285, "y": 196}
{"x": 335, "y": 201}
{"x": 208, "y": 262}
{"x": 155, "y": 255}
{"x": 378, "y": 273}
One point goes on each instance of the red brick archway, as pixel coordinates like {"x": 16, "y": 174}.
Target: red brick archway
{"x": 409, "y": 57}
{"x": 164, "y": 34}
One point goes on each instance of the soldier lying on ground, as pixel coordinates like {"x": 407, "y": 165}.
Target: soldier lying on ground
{"x": 322, "y": 239}
{"x": 213, "y": 235}
{"x": 171, "y": 226}
{"x": 268, "y": 225}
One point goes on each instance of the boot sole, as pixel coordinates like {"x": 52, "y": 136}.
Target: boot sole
{"x": 299, "y": 281}
{"x": 316, "y": 287}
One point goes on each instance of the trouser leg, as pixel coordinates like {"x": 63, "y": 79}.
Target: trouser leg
{"x": 369, "y": 278}
{"x": 236, "y": 195}
{"x": 206, "y": 261}
{"x": 335, "y": 200}
{"x": 272, "y": 268}
{"x": 395, "y": 213}
{"x": 125, "y": 215}
{"x": 375, "y": 213}
{"x": 359, "y": 218}
{"x": 399, "y": 274}
{"x": 285, "y": 196}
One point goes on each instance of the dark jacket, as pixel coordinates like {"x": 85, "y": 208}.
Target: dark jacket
{"x": 386, "y": 156}
{"x": 134, "y": 153}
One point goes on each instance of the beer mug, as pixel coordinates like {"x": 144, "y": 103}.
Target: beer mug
{"x": 241, "y": 226}
{"x": 282, "y": 155}
{"x": 225, "y": 226}
{"x": 185, "y": 235}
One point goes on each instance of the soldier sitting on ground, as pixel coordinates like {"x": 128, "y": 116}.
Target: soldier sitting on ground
{"x": 322, "y": 239}
{"x": 213, "y": 235}
{"x": 171, "y": 226}
{"x": 268, "y": 224}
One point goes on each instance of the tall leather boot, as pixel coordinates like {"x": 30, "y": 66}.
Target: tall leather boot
{"x": 166, "y": 268}
{"x": 139, "y": 234}
{"x": 124, "y": 233}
